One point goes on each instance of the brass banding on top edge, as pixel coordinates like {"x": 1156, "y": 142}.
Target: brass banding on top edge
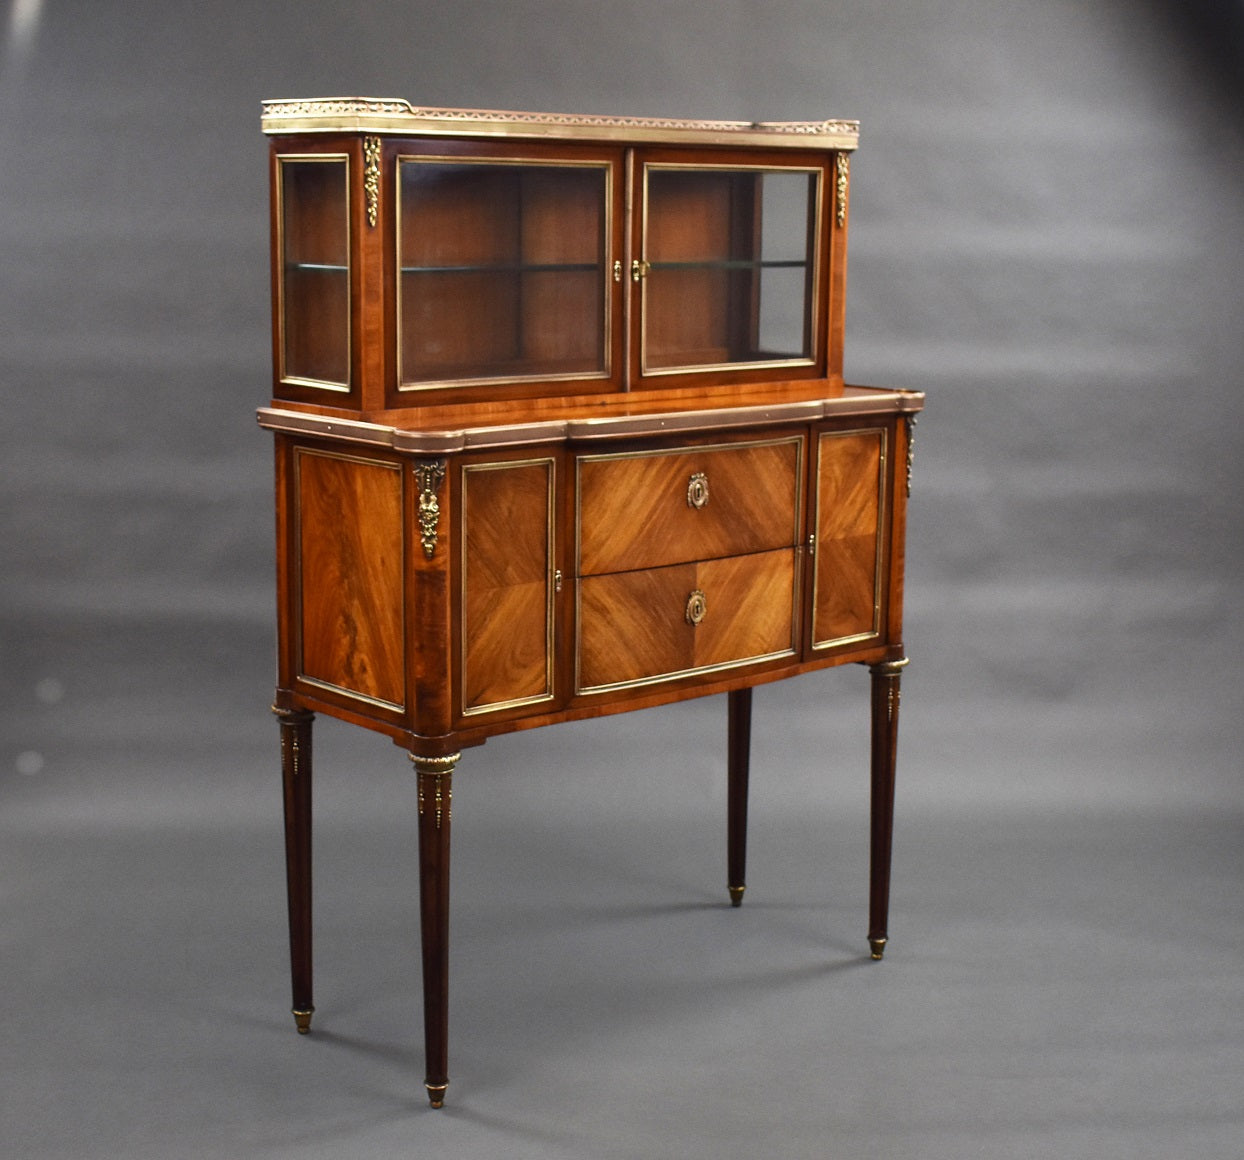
{"x": 395, "y": 115}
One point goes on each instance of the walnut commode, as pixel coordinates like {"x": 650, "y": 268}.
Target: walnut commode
{"x": 561, "y": 431}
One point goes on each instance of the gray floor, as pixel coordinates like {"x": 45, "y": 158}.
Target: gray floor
{"x": 1062, "y": 981}
{"x": 1047, "y": 236}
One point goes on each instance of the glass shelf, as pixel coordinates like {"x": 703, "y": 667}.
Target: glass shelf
{"x": 508, "y": 268}
{"x": 731, "y": 264}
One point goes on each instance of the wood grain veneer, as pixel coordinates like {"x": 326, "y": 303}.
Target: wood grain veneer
{"x": 547, "y": 448}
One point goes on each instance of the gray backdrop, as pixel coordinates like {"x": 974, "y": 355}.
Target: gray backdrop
{"x": 1047, "y": 238}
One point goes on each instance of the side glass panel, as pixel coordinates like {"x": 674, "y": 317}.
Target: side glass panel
{"x": 315, "y": 271}
{"x": 730, "y": 271}
{"x": 503, "y": 271}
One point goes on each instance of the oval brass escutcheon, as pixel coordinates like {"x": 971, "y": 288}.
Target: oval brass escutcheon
{"x": 697, "y": 490}
{"x": 697, "y": 607}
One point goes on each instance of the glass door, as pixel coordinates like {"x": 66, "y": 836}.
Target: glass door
{"x": 505, "y": 270}
{"x": 313, "y": 310}
{"x": 728, "y": 270}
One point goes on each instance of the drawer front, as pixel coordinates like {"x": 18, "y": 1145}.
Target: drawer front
{"x": 650, "y": 509}
{"x": 637, "y": 628}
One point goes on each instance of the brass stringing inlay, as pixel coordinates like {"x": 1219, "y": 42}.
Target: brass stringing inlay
{"x": 429, "y": 475}
{"x": 443, "y": 799}
{"x": 371, "y": 178}
{"x": 290, "y": 738}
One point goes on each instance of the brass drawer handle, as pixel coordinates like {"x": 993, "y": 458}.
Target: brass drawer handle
{"x": 697, "y": 607}
{"x": 697, "y": 490}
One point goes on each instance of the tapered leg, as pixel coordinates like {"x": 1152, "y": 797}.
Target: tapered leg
{"x": 435, "y": 777}
{"x": 885, "y": 700}
{"x": 739, "y": 728}
{"x": 296, "y": 779}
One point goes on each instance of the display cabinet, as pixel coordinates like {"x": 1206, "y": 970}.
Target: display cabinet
{"x": 561, "y": 430}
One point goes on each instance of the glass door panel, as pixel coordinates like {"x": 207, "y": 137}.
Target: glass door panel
{"x": 314, "y": 291}
{"x": 503, "y": 271}
{"x": 728, "y": 269}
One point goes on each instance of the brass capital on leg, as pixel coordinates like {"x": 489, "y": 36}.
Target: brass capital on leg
{"x": 889, "y": 668}
{"x": 435, "y": 783}
{"x": 302, "y": 1018}
{"x": 436, "y": 1094}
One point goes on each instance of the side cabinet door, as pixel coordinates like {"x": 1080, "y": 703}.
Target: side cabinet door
{"x": 849, "y": 517}
{"x": 508, "y": 575}
{"x": 344, "y": 565}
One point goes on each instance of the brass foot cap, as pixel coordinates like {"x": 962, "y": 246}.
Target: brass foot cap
{"x": 878, "y": 946}
{"x": 736, "y": 895}
{"x": 303, "y": 1019}
{"x": 436, "y": 1094}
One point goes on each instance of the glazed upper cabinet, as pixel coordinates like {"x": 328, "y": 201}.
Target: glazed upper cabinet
{"x": 560, "y": 430}
{"x": 505, "y": 268}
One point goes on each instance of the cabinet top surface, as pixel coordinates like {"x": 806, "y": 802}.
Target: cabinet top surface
{"x": 397, "y": 116}
{"x": 439, "y": 430}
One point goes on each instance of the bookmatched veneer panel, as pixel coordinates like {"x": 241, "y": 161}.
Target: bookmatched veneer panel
{"x": 639, "y": 627}
{"x": 507, "y": 584}
{"x": 350, "y": 545}
{"x": 850, "y": 524}
{"x": 648, "y": 509}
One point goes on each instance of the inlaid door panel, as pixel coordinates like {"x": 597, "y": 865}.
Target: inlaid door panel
{"x": 507, "y": 584}
{"x": 350, "y": 544}
{"x": 649, "y": 509}
{"x": 848, "y": 522}
{"x": 640, "y": 627}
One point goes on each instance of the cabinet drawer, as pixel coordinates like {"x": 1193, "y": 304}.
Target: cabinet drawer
{"x": 649, "y": 509}
{"x": 639, "y": 627}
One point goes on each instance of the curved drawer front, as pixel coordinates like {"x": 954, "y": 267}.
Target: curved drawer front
{"x": 649, "y": 509}
{"x": 637, "y": 628}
